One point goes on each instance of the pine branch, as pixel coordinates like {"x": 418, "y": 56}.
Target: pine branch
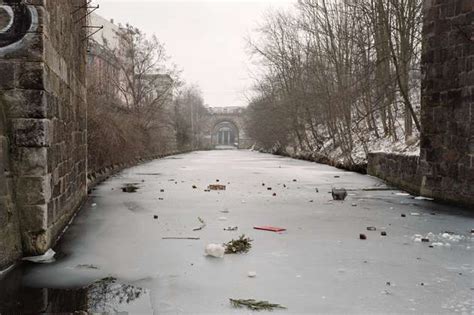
{"x": 241, "y": 245}
{"x": 255, "y": 305}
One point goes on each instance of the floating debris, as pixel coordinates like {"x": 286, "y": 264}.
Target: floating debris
{"x": 87, "y": 266}
{"x": 155, "y": 217}
{"x": 194, "y": 187}
{"x": 46, "y": 258}
{"x": 339, "y": 193}
{"x": 269, "y": 188}
{"x": 415, "y": 214}
{"x": 130, "y": 188}
{"x": 317, "y": 190}
{"x": 240, "y": 245}
{"x": 251, "y": 274}
{"x": 203, "y": 225}
{"x": 383, "y": 233}
{"x": 231, "y": 228}
{"x": 403, "y": 215}
{"x": 255, "y": 305}
{"x": 162, "y": 190}
{"x": 423, "y": 198}
{"x": 215, "y": 250}
{"x": 274, "y": 194}
{"x": 425, "y": 240}
{"x": 222, "y": 218}
{"x": 216, "y": 187}
{"x": 269, "y": 228}
{"x": 362, "y": 236}
{"x": 371, "y": 228}
{"x": 294, "y": 180}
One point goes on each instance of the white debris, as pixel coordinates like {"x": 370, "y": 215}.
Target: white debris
{"x": 402, "y": 194}
{"x": 452, "y": 237}
{"x": 215, "y": 250}
{"x": 223, "y": 219}
{"x": 423, "y": 198}
{"x": 94, "y": 205}
{"x": 415, "y": 214}
{"x": 251, "y": 274}
{"x": 417, "y": 237}
{"x": 47, "y": 257}
{"x": 437, "y": 244}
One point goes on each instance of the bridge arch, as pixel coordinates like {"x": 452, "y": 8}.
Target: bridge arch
{"x": 225, "y": 128}
{"x": 225, "y": 133}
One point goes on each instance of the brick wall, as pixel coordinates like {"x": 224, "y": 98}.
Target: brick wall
{"x": 45, "y": 103}
{"x": 447, "y": 137}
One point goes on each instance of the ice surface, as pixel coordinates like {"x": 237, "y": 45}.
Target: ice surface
{"x": 300, "y": 268}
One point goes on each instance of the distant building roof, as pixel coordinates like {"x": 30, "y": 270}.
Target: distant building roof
{"x": 106, "y": 36}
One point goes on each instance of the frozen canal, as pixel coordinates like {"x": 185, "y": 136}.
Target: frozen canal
{"x": 319, "y": 265}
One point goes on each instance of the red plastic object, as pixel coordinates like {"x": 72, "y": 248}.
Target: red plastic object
{"x": 269, "y": 228}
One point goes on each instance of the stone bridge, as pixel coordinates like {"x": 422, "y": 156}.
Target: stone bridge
{"x": 225, "y": 129}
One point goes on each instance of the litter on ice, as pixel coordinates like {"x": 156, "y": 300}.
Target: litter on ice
{"x": 251, "y": 274}
{"x": 423, "y": 198}
{"x": 47, "y": 257}
{"x": 402, "y": 194}
{"x": 269, "y": 228}
{"x": 215, "y": 250}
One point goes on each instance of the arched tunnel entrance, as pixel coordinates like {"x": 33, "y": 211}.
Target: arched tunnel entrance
{"x": 225, "y": 134}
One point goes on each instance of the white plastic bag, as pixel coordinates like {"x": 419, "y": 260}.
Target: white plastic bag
{"x": 215, "y": 250}
{"x": 42, "y": 259}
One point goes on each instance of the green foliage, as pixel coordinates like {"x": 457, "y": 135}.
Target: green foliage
{"x": 240, "y": 245}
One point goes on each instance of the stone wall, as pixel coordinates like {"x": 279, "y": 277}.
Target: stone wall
{"x": 447, "y": 136}
{"x": 42, "y": 54}
{"x": 399, "y": 170}
{"x": 10, "y": 242}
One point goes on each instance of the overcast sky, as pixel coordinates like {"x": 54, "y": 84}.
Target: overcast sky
{"x": 204, "y": 38}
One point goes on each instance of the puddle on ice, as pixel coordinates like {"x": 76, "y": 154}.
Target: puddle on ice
{"x": 107, "y": 296}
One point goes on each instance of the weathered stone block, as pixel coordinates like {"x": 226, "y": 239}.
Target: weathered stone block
{"x": 31, "y": 76}
{"x": 30, "y": 161}
{"x": 31, "y": 132}
{"x": 7, "y": 77}
{"x": 27, "y": 104}
{"x": 34, "y": 218}
{"x": 36, "y": 242}
{"x": 33, "y": 190}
